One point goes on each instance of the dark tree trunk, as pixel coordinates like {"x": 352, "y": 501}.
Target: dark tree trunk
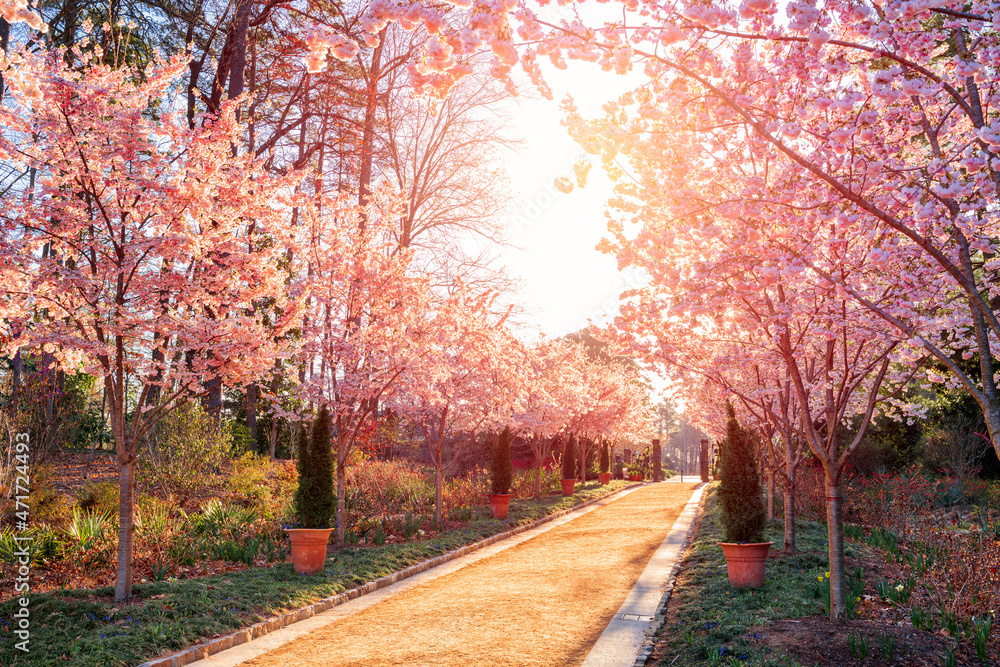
{"x": 253, "y": 392}
{"x": 368, "y": 134}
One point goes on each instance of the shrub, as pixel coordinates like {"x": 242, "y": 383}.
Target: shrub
{"x": 605, "y": 457}
{"x": 569, "y": 458}
{"x": 740, "y": 493}
{"x": 47, "y": 504}
{"x": 264, "y": 484}
{"x": 468, "y": 490}
{"x": 184, "y": 449}
{"x": 89, "y": 536}
{"x": 99, "y": 496}
{"x": 315, "y": 501}
{"x": 956, "y": 449}
{"x": 523, "y": 485}
{"x": 501, "y": 470}
{"x": 241, "y": 438}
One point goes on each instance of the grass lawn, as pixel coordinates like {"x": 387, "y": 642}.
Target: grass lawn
{"x": 710, "y": 623}
{"x": 84, "y": 627}
{"x": 785, "y": 623}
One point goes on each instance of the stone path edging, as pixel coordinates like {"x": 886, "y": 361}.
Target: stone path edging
{"x": 624, "y": 640}
{"x": 261, "y": 628}
{"x": 649, "y": 644}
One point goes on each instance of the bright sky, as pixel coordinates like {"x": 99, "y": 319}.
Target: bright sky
{"x": 566, "y": 281}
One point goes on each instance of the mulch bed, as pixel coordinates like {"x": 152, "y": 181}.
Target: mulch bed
{"x": 73, "y": 470}
{"x": 818, "y": 641}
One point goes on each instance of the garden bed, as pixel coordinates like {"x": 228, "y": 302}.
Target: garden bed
{"x": 85, "y": 627}
{"x": 784, "y": 623}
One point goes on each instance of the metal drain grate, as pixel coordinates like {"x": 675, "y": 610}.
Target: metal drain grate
{"x": 636, "y": 617}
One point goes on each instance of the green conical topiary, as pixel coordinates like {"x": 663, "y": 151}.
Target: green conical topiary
{"x": 502, "y": 471}
{"x": 315, "y": 501}
{"x": 605, "y": 457}
{"x": 569, "y": 458}
{"x": 740, "y": 493}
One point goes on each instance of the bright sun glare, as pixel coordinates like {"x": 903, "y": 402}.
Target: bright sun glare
{"x": 566, "y": 282}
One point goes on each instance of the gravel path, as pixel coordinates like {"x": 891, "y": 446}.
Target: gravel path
{"x": 542, "y": 602}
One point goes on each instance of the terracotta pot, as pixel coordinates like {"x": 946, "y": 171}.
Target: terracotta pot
{"x": 568, "y": 486}
{"x": 604, "y": 477}
{"x": 634, "y": 478}
{"x": 308, "y": 548}
{"x": 745, "y": 563}
{"x": 499, "y": 504}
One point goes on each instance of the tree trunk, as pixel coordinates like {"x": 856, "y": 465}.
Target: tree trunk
{"x": 789, "y": 497}
{"x": 272, "y": 438}
{"x": 4, "y": 41}
{"x": 538, "y": 473}
{"x": 368, "y": 133}
{"x": 437, "y": 490}
{"x": 835, "y": 532}
{"x": 770, "y": 493}
{"x": 213, "y": 399}
{"x": 126, "y": 530}
{"x": 15, "y": 392}
{"x": 253, "y": 391}
{"x": 341, "y": 489}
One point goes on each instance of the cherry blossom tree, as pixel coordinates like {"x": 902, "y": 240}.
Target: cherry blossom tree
{"x": 550, "y": 397}
{"x": 747, "y": 313}
{"x": 129, "y": 256}
{"x": 468, "y": 378}
{"x": 367, "y": 325}
{"x": 877, "y": 118}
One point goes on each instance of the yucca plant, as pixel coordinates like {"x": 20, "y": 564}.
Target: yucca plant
{"x": 86, "y": 532}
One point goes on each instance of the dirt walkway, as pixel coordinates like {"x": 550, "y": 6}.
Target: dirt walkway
{"x": 542, "y": 602}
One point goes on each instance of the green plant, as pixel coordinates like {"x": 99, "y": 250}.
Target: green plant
{"x": 160, "y": 571}
{"x": 315, "y": 501}
{"x": 463, "y": 513}
{"x": 99, "y": 496}
{"x": 740, "y": 494}
{"x": 411, "y": 524}
{"x": 501, "y": 469}
{"x": 569, "y": 458}
{"x": 887, "y": 647}
{"x": 184, "y": 449}
{"x": 87, "y": 532}
{"x": 858, "y": 646}
{"x": 379, "y": 536}
{"x": 605, "y": 457}
{"x": 949, "y": 658}
{"x": 949, "y": 621}
{"x": 921, "y": 620}
{"x": 981, "y": 634}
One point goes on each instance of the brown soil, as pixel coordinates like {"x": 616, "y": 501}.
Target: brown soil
{"x": 542, "y": 602}
{"x": 72, "y": 470}
{"x": 819, "y": 642}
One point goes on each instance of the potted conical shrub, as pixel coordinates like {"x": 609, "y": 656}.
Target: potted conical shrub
{"x": 501, "y": 475}
{"x": 569, "y": 466}
{"x": 315, "y": 502}
{"x": 604, "y": 477}
{"x": 741, "y": 500}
